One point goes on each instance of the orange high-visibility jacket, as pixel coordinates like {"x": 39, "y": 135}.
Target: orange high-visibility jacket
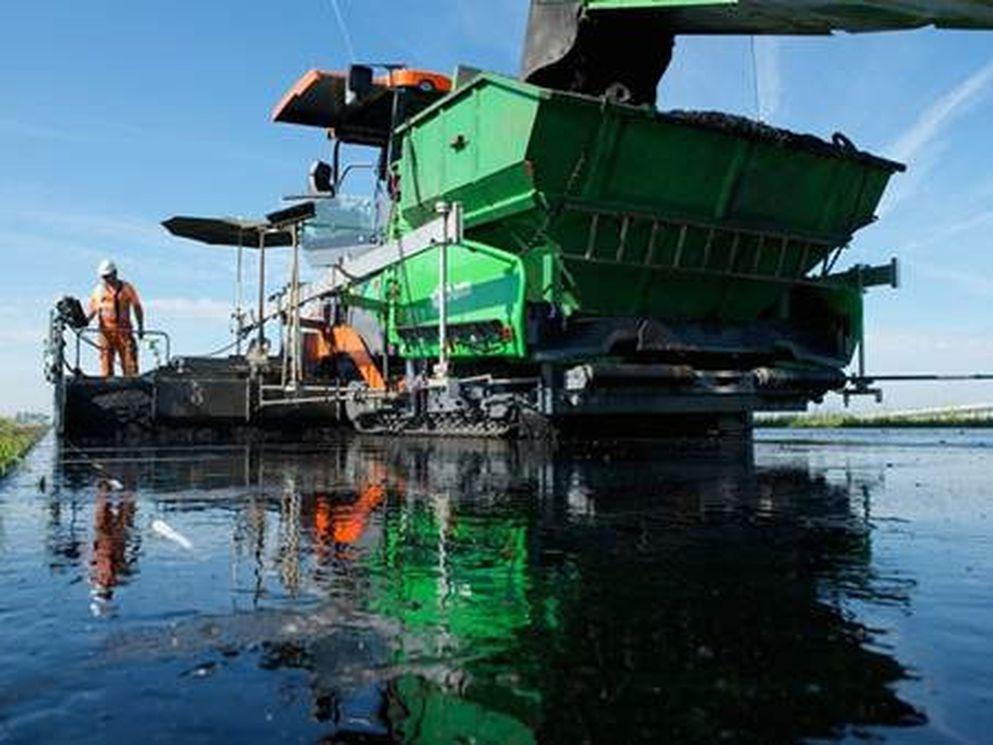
{"x": 113, "y": 307}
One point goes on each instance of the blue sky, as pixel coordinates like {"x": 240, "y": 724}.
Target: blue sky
{"x": 117, "y": 114}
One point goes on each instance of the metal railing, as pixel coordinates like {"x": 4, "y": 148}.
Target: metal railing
{"x": 745, "y": 253}
{"x": 87, "y": 336}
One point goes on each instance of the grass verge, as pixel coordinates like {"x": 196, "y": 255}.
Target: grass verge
{"x": 930, "y": 420}
{"x": 15, "y": 441}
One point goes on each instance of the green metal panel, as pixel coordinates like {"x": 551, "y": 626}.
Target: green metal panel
{"x": 623, "y": 212}
{"x": 631, "y": 160}
{"x": 495, "y": 143}
{"x": 486, "y": 303}
{"x": 471, "y": 148}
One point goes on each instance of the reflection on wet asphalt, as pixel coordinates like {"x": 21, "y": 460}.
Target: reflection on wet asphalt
{"x": 830, "y": 586}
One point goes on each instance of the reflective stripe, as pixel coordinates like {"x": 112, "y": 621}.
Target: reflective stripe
{"x": 113, "y": 306}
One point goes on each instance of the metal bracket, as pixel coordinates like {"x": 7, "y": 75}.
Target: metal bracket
{"x": 861, "y": 387}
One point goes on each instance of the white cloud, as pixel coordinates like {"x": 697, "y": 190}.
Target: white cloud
{"x": 141, "y": 246}
{"x": 943, "y": 348}
{"x": 923, "y": 143}
{"x": 940, "y": 114}
{"x": 36, "y": 131}
{"x": 25, "y": 334}
{"x": 189, "y": 308}
{"x": 135, "y": 231}
{"x": 968, "y": 281}
{"x": 939, "y": 235}
{"x": 24, "y": 321}
{"x": 967, "y": 224}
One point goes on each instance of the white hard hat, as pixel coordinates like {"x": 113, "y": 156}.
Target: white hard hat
{"x": 107, "y": 267}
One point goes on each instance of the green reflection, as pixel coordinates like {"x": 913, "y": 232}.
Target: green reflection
{"x": 423, "y": 714}
{"x": 463, "y": 579}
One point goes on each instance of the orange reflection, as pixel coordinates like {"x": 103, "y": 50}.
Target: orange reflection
{"x": 339, "y": 526}
{"x": 113, "y": 521}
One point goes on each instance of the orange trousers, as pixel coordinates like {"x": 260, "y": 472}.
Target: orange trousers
{"x": 118, "y": 343}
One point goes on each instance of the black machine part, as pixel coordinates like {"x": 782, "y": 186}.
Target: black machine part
{"x": 621, "y": 55}
{"x": 70, "y": 310}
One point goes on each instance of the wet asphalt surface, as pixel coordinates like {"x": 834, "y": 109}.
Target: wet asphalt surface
{"x": 827, "y": 586}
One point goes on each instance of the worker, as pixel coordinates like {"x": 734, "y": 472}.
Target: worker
{"x": 112, "y": 303}
{"x": 113, "y": 554}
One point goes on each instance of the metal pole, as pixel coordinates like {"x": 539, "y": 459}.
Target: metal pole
{"x": 862, "y": 340}
{"x": 238, "y": 297}
{"x": 443, "y": 209}
{"x": 261, "y": 290}
{"x": 396, "y": 114}
{"x": 386, "y": 352}
{"x": 295, "y": 299}
{"x": 284, "y": 344}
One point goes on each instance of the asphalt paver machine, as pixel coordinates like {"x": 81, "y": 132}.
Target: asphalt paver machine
{"x": 553, "y": 253}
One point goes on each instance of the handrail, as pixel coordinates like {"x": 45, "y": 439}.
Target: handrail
{"x": 91, "y": 332}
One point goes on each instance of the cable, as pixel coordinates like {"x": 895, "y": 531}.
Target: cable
{"x": 222, "y": 350}
{"x": 343, "y": 27}
{"x": 755, "y": 79}
{"x": 82, "y": 338}
{"x": 923, "y": 378}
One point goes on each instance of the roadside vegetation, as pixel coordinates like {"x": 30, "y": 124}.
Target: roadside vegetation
{"x": 973, "y": 417}
{"x": 15, "y": 440}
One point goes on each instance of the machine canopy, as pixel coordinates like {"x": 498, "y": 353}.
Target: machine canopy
{"x": 806, "y": 16}
{"x": 319, "y": 99}
{"x": 228, "y": 232}
{"x": 622, "y": 48}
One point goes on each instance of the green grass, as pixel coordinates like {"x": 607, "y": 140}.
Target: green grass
{"x": 15, "y": 441}
{"x": 952, "y": 418}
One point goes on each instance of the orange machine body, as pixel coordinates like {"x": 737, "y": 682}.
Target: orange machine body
{"x": 330, "y": 343}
